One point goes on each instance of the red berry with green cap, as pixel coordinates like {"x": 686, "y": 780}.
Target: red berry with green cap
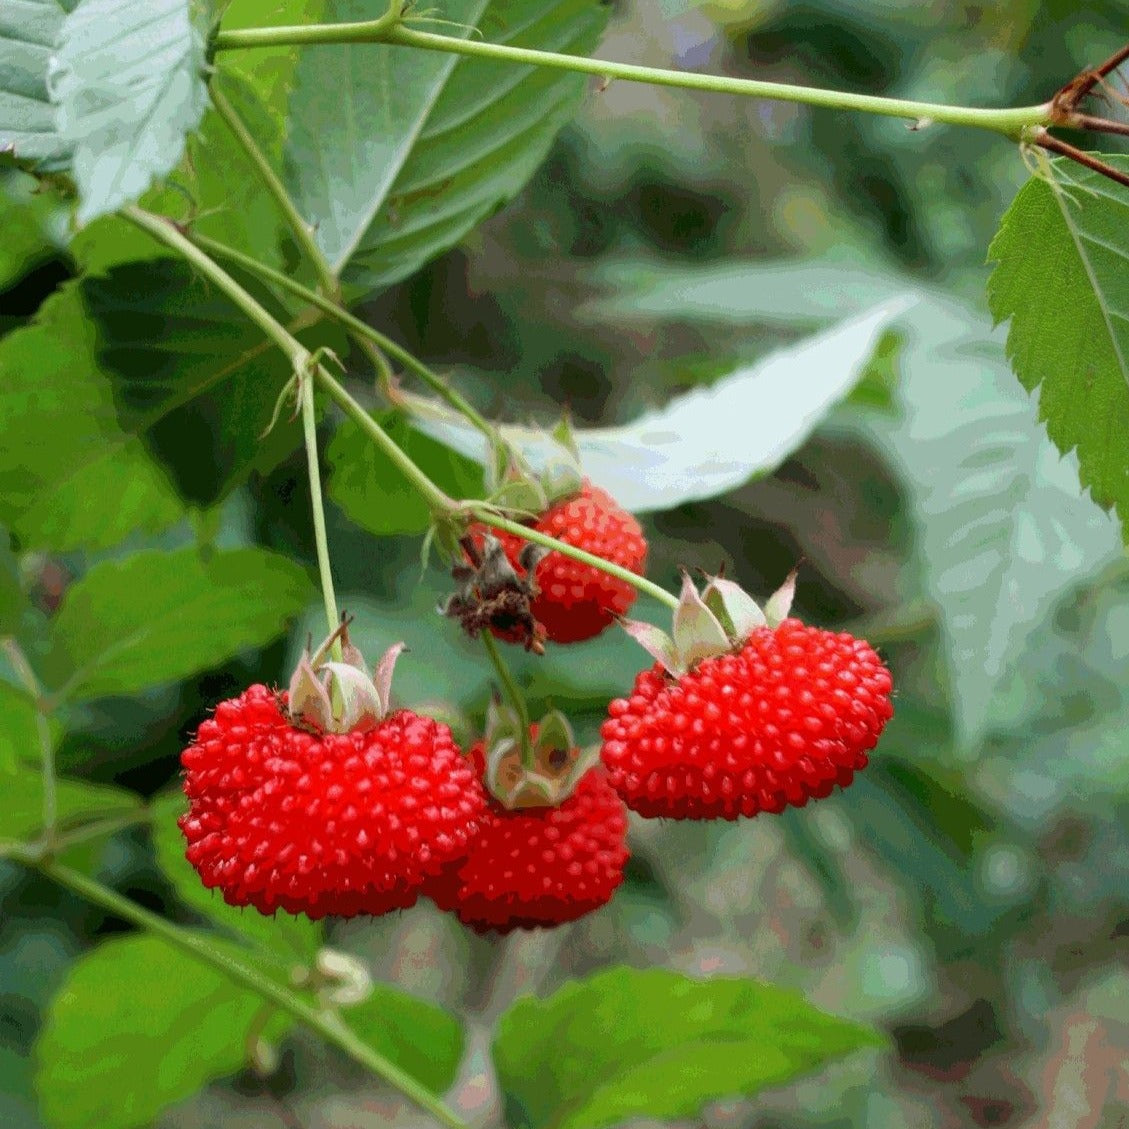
{"x": 746, "y": 711}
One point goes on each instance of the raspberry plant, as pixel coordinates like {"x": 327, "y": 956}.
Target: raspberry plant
{"x": 236, "y": 183}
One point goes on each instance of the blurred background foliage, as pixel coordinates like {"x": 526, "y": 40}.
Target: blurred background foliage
{"x": 970, "y": 893}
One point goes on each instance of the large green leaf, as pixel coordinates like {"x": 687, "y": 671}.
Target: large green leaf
{"x": 29, "y": 34}
{"x": 136, "y": 1027}
{"x": 710, "y": 440}
{"x": 657, "y": 1044}
{"x": 191, "y": 375}
{"x": 21, "y": 802}
{"x": 70, "y": 476}
{"x": 369, "y": 487}
{"x": 395, "y": 154}
{"x": 1062, "y": 277}
{"x": 157, "y": 617}
{"x": 423, "y": 1040}
{"x": 1004, "y": 529}
{"x": 291, "y": 935}
{"x": 128, "y": 80}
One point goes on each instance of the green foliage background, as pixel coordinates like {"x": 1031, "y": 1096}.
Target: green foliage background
{"x": 969, "y": 895}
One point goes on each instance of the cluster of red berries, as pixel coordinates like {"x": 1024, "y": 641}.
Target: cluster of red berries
{"x": 300, "y": 805}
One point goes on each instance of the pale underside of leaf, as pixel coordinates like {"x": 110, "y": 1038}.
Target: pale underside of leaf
{"x": 128, "y": 80}
{"x": 713, "y": 439}
{"x": 29, "y": 32}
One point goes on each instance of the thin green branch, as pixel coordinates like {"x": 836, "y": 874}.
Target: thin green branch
{"x": 440, "y": 504}
{"x": 363, "y": 31}
{"x": 489, "y": 516}
{"x": 27, "y": 677}
{"x": 294, "y": 220}
{"x": 310, "y": 435}
{"x": 166, "y": 232}
{"x": 1012, "y": 122}
{"x": 326, "y": 1023}
{"x": 513, "y": 695}
{"x": 357, "y": 328}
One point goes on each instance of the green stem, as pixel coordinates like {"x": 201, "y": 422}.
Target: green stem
{"x": 1011, "y": 121}
{"x": 294, "y": 220}
{"x": 300, "y": 357}
{"x": 641, "y": 584}
{"x": 326, "y": 1023}
{"x": 513, "y": 694}
{"x": 166, "y": 232}
{"x": 357, "y": 328}
{"x": 27, "y": 677}
{"x": 438, "y": 501}
{"x": 321, "y": 541}
{"x": 363, "y": 31}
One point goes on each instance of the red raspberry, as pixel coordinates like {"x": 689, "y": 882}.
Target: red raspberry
{"x": 787, "y": 717}
{"x": 577, "y": 601}
{"x": 539, "y": 867}
{"x": 335, "y": 824}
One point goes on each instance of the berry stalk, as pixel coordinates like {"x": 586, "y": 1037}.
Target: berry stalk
{"x": 305, "y": 392}
{"x": 488, "y": 516}
{"x": 513, "y": 695}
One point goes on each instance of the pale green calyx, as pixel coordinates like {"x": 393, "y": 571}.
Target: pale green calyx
{"x": 716, "y": 621}
{"x": 339, "y": 695}
{"x": 557, "y": 764}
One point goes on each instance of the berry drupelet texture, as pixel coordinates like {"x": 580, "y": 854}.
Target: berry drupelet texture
{"x": 578, "y": 601}
{"x": 338, "y": 824}
{"x": 539, "y": 867}
{"x": 785, "y": 718}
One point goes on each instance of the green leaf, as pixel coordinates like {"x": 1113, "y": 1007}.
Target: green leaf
{"x": 136, "y": 1027}
{"x": 29, "y": 34}
{"x": 269, "y": 71}
{"x": 1062, "y": 277}
{"x": 420, "y": 1038}
{"x": 192, "y": 376}
{"x": 292, "y": 935}
{"x": 12, "y": 600}
{"x": 374, "y": 493}
{"x": 394, "y": 155}
{"x": 21, "y": 801}
{"x": 158, "y": 617}
{"x": 19, "y": 728}
{"x": 70, "y": 476}
{"x": 657, "y": 1044}
{"x": 1004, "y": 530}
{"x": 128, "y": 80}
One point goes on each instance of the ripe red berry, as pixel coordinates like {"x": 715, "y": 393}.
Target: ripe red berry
{"x": 577, "y": 601}
{"x": 342, "y": 823}
{"x": 539, "y": 866}
{"x": 785, "y": 718}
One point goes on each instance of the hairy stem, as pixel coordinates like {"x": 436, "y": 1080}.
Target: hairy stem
{"x": 358, "y": 329}
{"x": 321, "y": 541}
{"x": 298, "y": 226}
{"x": 1088, "y": 160}
{"x": 1011, "y": 122}
{"x": 513, "y": 695}
{"x": 440, "y": 504}
{"x": 26, "y": 675}
{"x": 326, "y": 1023}
{"x": 492, "y": 518}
